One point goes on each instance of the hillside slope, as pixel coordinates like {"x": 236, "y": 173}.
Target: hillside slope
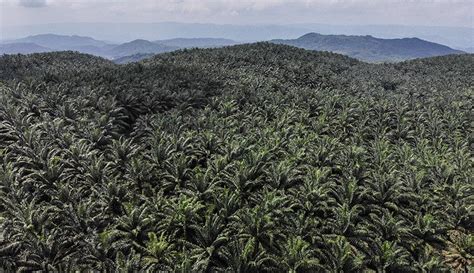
{"x": 251, "y": 158}
{"x": 369, "y": 48}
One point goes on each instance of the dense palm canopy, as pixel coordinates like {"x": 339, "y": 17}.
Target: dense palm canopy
{"x": 253, "y": 158}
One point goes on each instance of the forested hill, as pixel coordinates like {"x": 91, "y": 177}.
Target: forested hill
{"x": 55, "y": 64}
{"x": 250, "y": 158}
{"x": 264, "y": 63}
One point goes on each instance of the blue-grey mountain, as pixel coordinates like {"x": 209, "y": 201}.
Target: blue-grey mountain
{"x": 64, "y": 42}
{"x": 22, "y": 48}
{"x": 365, "y": 48}
{"x": 139, "y": 46}
{"x": 456, "y": 37}
{"x": 369, "y": 48}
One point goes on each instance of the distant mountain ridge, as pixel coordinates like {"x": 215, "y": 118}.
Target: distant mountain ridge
{"x": 369, "y": 48}
{"x": 366, "y": 48}
{"x": 22, "y": 48}
{"x": 54, "y": 42}
{"x": 455, "y": 37}
{"x": 134, "y": 50}
{"x": 140, "y": 46}
{"x": 61, "y": 41}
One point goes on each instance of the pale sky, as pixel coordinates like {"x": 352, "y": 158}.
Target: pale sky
{"x": 343, "y": 12}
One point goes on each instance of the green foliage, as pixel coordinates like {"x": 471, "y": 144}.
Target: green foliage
{"x": 253, "y": 158}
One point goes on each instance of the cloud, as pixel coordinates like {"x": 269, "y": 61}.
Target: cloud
{"x": 33, "y": 3}
{"x": 348, "y": 12}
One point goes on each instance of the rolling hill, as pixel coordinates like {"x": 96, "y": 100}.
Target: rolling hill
{"x": 250, "y": 158}
{"x": 369, "y": 48}
{"x": 138, "y": 47}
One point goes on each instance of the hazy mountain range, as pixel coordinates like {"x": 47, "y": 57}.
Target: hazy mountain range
{"x": 455, "y": 37}
{"x": 22, "y": 48}
{"x": 369, "y": 48}
{"x": 365, "y": 48}
{"x": 140, "y": 47}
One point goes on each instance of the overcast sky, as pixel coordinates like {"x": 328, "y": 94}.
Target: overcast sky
{"x": 401, "y": 12}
